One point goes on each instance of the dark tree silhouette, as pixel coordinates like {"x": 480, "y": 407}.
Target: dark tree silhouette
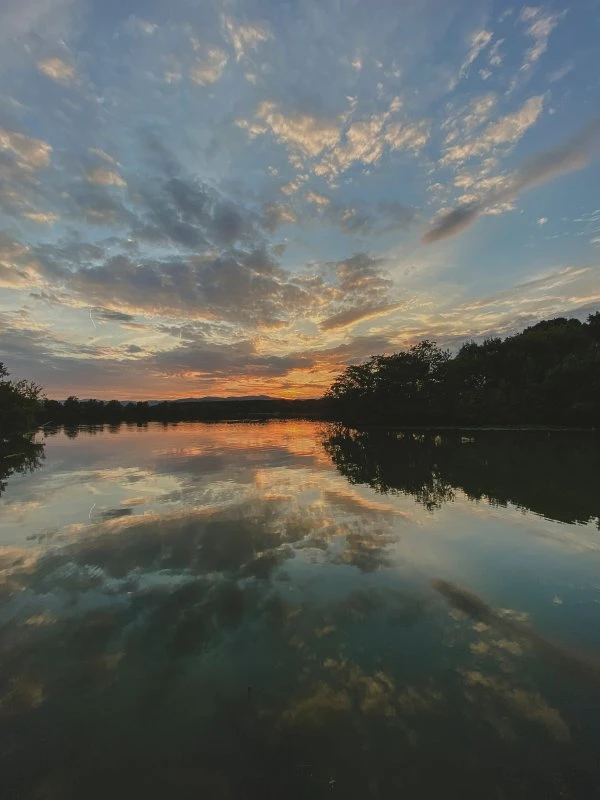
{"x": 548, "y": 374}
{"x": 554, "y": 474}
{"x": 19, "y": 404}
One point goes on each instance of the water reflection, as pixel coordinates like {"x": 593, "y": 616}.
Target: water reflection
{"x": 551, "y": 473}
{"x": 18, "y": 455}
{"x": 233, "y": 618}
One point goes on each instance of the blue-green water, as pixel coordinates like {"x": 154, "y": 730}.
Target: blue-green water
{"x": 295, "y": 610}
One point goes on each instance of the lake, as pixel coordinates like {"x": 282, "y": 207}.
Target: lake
{"x": 297, "y": 610}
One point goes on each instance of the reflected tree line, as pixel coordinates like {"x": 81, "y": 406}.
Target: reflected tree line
{"x": 18, "y": 456}
{"x": 551, "y": 473}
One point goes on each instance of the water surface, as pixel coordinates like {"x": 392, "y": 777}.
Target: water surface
{"x": 296, "y": 610}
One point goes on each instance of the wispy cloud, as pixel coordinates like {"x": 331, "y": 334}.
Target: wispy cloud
{"x": 505, "y": 132}
{"x": 58, "y": 70}
{"x": 572, "y": 155}
{"x": 31, "y": 153}
{"x": 209, "y": 66}
{"x": 539, "y": 26}
{"x": 244, "y": 36}
{"x": 104, "y": 177}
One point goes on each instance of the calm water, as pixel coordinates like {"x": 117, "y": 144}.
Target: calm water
{"x": 293, "y": 610}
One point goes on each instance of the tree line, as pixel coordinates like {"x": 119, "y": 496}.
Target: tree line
{"x": 548, "y": 374}
{"x": 553, "y": 473}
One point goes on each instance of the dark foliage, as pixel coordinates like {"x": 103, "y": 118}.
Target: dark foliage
{"x": 549, "y": 374}
{"x": 74, "y": 412}
{"x": 19, "y": 404}
{"x": 553, "y": 473}
{"x": 18, "y": 454}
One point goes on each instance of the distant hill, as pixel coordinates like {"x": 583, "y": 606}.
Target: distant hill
{"x": 224, "y": 399}
{"x": 209, "y": 399}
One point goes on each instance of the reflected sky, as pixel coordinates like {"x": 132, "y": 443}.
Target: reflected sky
{"x": 295, "y": 609}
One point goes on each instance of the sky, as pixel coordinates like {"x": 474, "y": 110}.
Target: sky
{"x": 236, "y": 197}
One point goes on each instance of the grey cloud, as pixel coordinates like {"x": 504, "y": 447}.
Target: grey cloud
{"x": 112, "y": 316}
{"x": 361, "y": 290}
{"x": 353, "y": 352}
{"x": 185, "y": 210}
{"x": 358, "y": 219}
{"x": 22, "y": 191}
{"x": 576, "y": 664}
{"x": 192, "y": 214}
{"x": 362, "y": 274}
{"x": 352, "y": 316}
{"x": 84, "y": 369}
{"x": 275, "y": 215}
{"x": 22, "y": 18}
{"x": 226, "y": 360}
{"x": 241, "y": 358}
{"x": 365, "y": 220}
{"x": 571, "y": 155}
{"x": 240, "y": 287}
{"x": 453, "y": 222}
{"x": 100, "y": 205}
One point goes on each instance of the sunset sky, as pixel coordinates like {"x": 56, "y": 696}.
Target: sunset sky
{"x": 233, "y": 197}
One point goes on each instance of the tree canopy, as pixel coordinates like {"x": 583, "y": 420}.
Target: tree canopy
{"x": 547, "y": 374}
{"x": 19, "y": 404}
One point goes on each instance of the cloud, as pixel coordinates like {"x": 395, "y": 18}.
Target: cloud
{"x": 463, "y": 122}
{"x": 209, "y": 67}
{"x": 302, "y": 132}
{"x": 58, "y": 70}
{"x": 364, "y": 220}
{"x": 505, "y": 131}
{"x": 400, "y": 136}
{"x": 560, "y": 73}
{"x": 104, "y": 177}
{"x": 42, "y": 217}
{"x": 96, "y": 151}
{"x": 244, "y": 36}
{"x": 575, "y": 664}
{"x": 277, "y": 214}
{"x": 194, "y": 215}
{"x": 242, "y": 288}
{"x": 30, "y": 153}
{"x": 572, "y": 155}
{"x": 22, "y": 18}
{"x": 477, "y": 43}
{"x": 352, "y": 316}
{"x": 135, "y": 26}
{"x": 359, "y": 289}
{"x": 13, "y": 270}
{"x": 317, "y": 199}
{"x": 540, "y": 25}
{"x": 495, "y": 57}
{"x": 107, "y": 315}
{"x": 364, "y": 142}
{"x": 333, "y": 145}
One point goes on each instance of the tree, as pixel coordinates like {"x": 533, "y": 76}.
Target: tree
{"x": 20, "y": 404}
{"x": 549, "y": 374}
